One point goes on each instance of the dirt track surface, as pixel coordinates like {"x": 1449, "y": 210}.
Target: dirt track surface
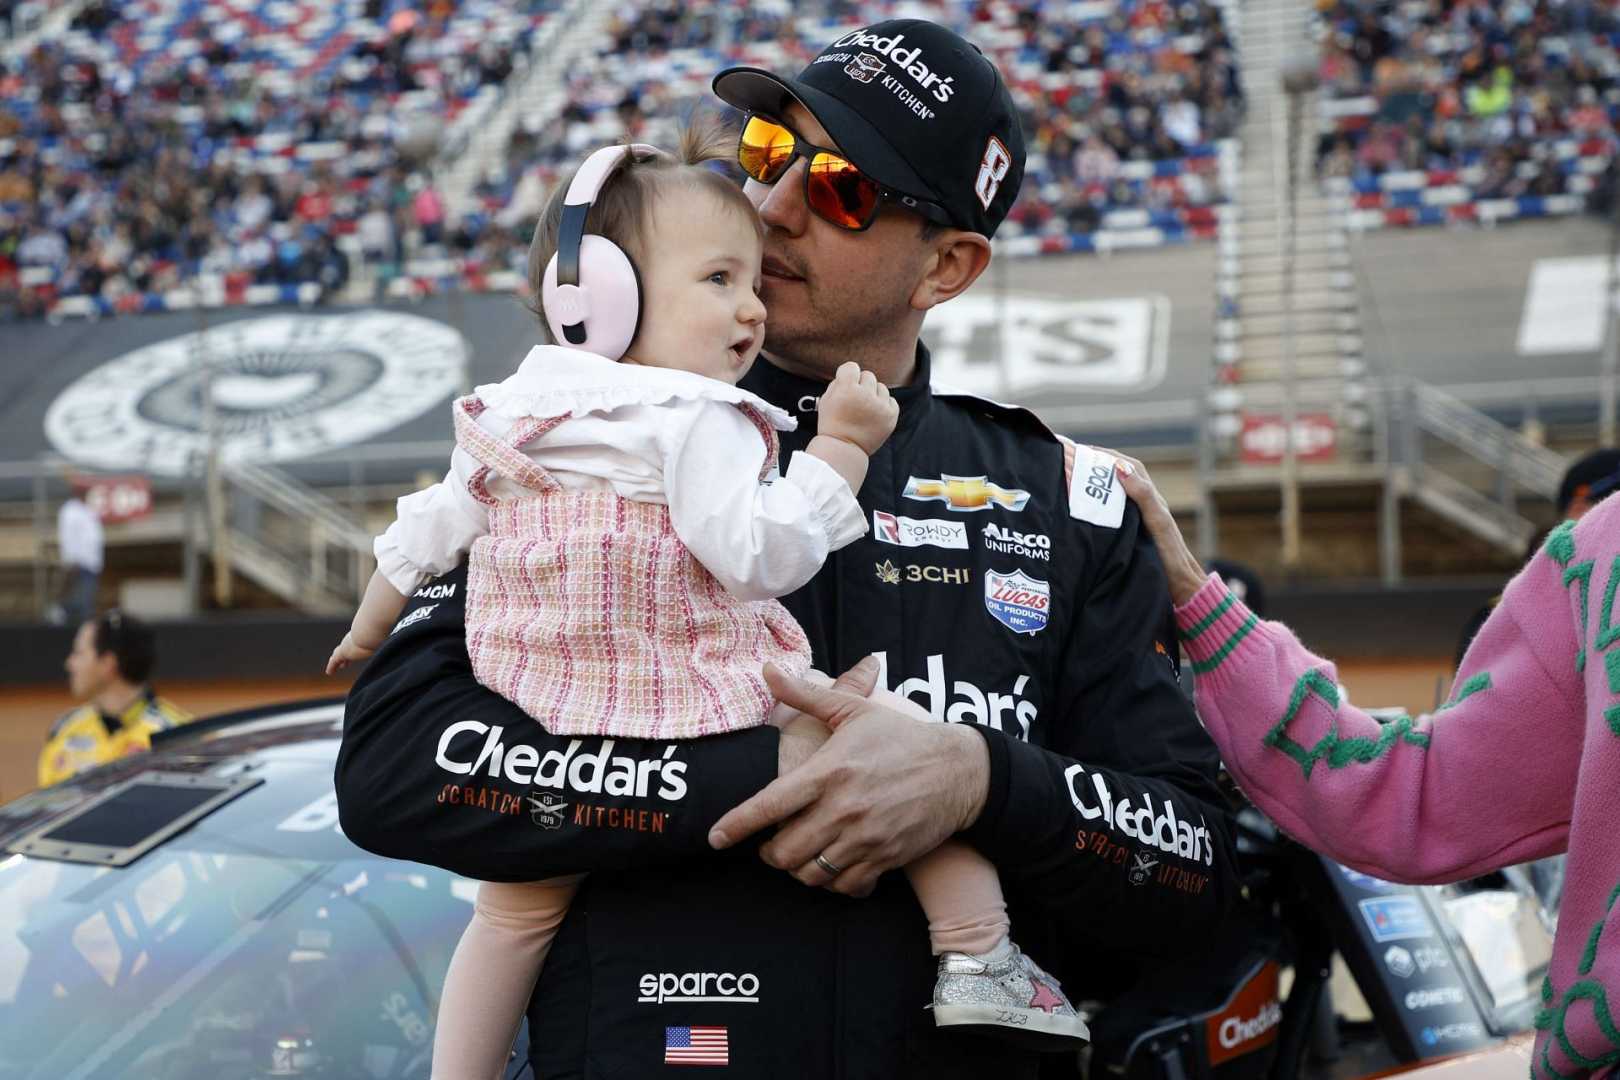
{"x": 26, "y": 712}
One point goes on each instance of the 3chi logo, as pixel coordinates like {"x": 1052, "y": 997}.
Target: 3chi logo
{"x": 864, "y": 68}
{"x": 282, "y": 387}
{"x": 546, "y": 810}
{"x": 888, "y": 573}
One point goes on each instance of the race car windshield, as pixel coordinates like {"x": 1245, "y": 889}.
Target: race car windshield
{"x": 199, "y": 963}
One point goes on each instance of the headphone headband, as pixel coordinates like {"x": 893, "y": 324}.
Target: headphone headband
{"x": 583, "y": 191}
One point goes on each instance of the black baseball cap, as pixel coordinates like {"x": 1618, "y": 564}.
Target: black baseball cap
{"x": 1585, "y": 474}
{"x": 915, "y": 106}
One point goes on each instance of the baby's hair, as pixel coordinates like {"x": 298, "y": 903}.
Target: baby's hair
{"x": 623, "y": 210}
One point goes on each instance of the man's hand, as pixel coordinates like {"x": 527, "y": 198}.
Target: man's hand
{"x": 885, "y": 789}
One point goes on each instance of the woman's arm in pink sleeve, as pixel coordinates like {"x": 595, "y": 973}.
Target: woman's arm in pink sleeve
{"x": 1486, "y": 781}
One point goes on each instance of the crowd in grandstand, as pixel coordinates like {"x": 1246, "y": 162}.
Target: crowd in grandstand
{"x": 167, "y": 143}
{"x": 1122, "y": 101}
{"x": 162, "y": 142}
{"x": 1513, "y": 97}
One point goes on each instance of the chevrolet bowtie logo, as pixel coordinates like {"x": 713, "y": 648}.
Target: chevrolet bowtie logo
{"x": 966, "y": 493}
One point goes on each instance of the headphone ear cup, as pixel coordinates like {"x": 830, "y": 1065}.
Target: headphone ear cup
{"x": 606, "y": 302}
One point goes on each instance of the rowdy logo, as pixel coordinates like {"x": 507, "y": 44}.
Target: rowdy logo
{"x": 918, "y": 532}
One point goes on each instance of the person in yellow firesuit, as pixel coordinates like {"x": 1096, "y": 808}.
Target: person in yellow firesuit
{"x": 109, "y": 671}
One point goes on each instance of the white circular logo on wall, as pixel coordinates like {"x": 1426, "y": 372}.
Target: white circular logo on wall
{"x": 283, "y": 387}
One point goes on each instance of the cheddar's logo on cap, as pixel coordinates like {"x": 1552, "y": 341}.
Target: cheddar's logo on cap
{"x": 966, "y": 493}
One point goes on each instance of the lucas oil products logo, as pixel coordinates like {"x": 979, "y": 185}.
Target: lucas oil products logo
{"x": 1144, "y": 823}
{"x": 918, "y": 532}
{"x": 966, "y": 494}
{"x": 1017, "y": 601}
{"x": 1013, "y": 542}
{"x": 962, "y": 702}
{"x": 595, "y": 772}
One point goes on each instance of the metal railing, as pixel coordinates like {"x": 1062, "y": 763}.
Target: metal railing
{"x": 287, "y": 537}
{"x": 1508, "y": 463}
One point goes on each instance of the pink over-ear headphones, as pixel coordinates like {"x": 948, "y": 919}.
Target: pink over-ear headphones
{"x": 591, "y": 292}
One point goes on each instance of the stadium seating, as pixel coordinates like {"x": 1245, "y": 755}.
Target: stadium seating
{"x": 1122, "y": 103}
{"x": 229, "y": 144}
{"x": 1441, "y": 113}
{"x": 232, "y": 151}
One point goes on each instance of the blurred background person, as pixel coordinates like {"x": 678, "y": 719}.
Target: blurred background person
{"x": 80, "y": 542}
{"x": 109, "y": 672}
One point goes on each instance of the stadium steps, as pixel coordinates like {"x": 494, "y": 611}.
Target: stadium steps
{"x": 52, "y": 24}
{"x": 535, "y": 93}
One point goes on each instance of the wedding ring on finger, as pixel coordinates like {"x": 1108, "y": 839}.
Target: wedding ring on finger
{"x": 828, "y": 865}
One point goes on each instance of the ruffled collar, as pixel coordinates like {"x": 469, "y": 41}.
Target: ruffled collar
{"x": 553, "y": 380}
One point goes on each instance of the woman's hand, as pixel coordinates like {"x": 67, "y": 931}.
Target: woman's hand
{"x": 1186, "y": 573}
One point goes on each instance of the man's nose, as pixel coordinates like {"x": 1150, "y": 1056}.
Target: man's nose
{"x": 784, "y": 207}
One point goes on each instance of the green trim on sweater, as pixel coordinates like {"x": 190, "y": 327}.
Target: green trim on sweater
{"x": 1215, "y": 660}
{"x": 1207, "y": 621}
{"x": 1337, "y": 751}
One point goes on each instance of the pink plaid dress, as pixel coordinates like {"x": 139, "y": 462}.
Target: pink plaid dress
{"x": 585, "y": 609}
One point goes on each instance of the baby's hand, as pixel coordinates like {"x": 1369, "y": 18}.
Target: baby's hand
{"x": 348, "y": 652}
{"x": 857, "y": 408}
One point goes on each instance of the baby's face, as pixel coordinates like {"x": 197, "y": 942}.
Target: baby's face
{"x": 701, "y": 311}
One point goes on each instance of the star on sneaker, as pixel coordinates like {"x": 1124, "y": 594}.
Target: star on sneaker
{"x": 1005, "y": 994}
{"x": 1045, "y": 998}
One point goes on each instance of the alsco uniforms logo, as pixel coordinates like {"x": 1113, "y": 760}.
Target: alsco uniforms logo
{"x": 966, "y": 493}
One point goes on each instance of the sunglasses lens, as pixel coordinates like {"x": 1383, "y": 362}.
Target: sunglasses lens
{"x": 840, "y": 193}
{"x": 766, "y": 150}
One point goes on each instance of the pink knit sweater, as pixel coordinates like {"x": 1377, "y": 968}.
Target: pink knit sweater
{"x": 1522, "y": 762}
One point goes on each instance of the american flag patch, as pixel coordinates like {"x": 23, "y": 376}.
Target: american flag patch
{"x": 695, "y": 1046}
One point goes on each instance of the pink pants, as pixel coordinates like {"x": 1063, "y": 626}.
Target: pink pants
{"x": 493, "y": 972}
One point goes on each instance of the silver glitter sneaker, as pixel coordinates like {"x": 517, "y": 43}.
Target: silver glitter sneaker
{"x": 1011, "y": 998}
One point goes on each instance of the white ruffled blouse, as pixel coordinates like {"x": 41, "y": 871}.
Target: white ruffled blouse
{"x": 653, "y": 435}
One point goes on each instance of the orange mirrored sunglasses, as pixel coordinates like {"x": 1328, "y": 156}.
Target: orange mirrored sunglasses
{"x": 833, "y": 187}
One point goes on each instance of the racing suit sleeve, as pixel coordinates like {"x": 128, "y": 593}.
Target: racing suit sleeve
{"x": 435, "y": 768}
{"x": 759, "y": 540}
{"x": 1119, "y": 826}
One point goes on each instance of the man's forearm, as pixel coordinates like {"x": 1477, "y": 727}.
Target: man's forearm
{"x": 1124, "y": 860}
{"x": 455, "y": 776}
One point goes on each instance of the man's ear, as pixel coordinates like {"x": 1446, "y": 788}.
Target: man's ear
{"x": 957, "y": 260}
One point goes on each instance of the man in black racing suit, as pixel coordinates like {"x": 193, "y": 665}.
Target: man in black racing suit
{"x": 1006, "y": 586}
